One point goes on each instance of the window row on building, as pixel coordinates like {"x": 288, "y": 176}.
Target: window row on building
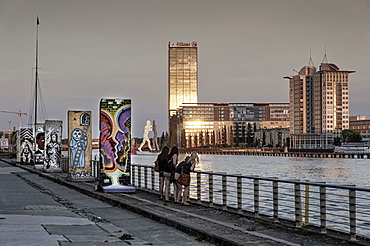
{"x": 230, "y": 123}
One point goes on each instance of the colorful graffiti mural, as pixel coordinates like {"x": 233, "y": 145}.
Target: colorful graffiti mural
{"x": 115, "y": 145}
{"x": 53, "y": 145}
{"x": 79, "y": 132}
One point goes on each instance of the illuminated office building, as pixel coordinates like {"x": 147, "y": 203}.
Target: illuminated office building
{"x": 182, "y": 75}
{"x": 206, "y": 124}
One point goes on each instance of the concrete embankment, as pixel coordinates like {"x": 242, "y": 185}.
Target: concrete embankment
{"x": 203, "y": 225}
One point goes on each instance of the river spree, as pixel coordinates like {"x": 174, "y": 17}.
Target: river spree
{"x": 329, "y": 170}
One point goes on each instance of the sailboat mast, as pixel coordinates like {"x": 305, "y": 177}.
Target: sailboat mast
{"x": 36, "y": 76}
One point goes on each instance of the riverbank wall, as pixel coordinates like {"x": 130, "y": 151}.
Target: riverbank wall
{"x": 257, "y": 152}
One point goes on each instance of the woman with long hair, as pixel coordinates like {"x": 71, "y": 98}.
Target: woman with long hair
{"x": 162, "y": 164}
{"x": 171, "y": 164}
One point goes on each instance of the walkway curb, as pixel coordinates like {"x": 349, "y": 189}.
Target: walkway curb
{"x": 162, "y": 214}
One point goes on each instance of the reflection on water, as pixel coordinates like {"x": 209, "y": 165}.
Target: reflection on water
{"x": 329, "y": 170}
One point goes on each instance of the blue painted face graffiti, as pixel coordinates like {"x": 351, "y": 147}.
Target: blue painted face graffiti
{"x": 77, "y": 146}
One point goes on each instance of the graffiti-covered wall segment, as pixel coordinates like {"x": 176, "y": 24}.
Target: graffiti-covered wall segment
{"x": 79, "y": 145}
{"x": 115, "y": 145}
{"x": 26, "y": 145}
{"x": 53, "y": 145}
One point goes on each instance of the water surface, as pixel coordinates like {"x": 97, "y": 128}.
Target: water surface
{"x": 329, "y": 170}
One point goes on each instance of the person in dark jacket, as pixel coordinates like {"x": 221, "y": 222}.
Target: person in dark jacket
{"x": 171, "y": 165}
{"x": 162, "y": 160}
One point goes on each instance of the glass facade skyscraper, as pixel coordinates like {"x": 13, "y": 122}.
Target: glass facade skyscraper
{"x": 182, "y": 75}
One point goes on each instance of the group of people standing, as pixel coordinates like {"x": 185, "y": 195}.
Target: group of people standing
{"x": 170, "y": 170}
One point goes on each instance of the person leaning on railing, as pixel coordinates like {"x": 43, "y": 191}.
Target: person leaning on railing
{"x": 186, "y": 169}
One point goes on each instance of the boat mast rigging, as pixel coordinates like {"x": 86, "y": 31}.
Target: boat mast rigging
{"x": 37, "y": 105}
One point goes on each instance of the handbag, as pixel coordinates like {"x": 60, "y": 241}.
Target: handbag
{"x": 184, "y": 179}
{"x": 156, "y": 167}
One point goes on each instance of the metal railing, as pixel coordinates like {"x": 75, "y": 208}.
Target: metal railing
{"x": 339, "y": 208}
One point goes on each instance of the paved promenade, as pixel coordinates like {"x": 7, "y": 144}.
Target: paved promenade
{"x": 39, "y": 208}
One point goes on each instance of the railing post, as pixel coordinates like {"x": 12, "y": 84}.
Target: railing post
{"x": 323, "y": 209}
{"x": 239, "y": 193}
{"x": 210, "y": 189}
{"x": 146, "y": 177}
{"x": 307, "y": 204}
{"x": 133, "y": 175}
{"x": 153, "y": 179}
{"x": 256, "y": 198}
{"x": 92, "y": 168}
{"x": 352, "y": 214}
{"x": 298, "y": 205}
{"x": 199, "y": 188}
{"x": 224, "y": 192}
{"x": 138, "y": 176}
{"x": 275, "y": 190}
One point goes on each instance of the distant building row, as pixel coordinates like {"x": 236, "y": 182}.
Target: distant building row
{"x": 317, "y": 112}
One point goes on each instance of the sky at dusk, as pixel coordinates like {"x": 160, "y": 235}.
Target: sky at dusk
{"x": 93, "y": 49}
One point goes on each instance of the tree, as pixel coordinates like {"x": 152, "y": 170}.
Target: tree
{"x": 243, "y": 133}
{"x": 200, "y": 138}
{"x": 162, "y": 144}
{"x": 196, "y": 140}
{"x": 349, "y": 135}
{"x": 249, "y": 134}
{"x": 287, "y": 141}
{"x": 213, "y": 138}
{"x": 231, "y": 137}
{"x": 224, "y": 136}
{"x": 237, "y": 140}
{"x": 207, "y": 138}
{"x": 183, "y": 138}
{"x": 337, "y": 141}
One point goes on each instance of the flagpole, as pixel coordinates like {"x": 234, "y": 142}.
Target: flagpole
{"x": 36, "y": 79}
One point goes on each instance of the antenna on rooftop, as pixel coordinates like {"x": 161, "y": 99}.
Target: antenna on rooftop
{"x": 325, "y": 59}
{"x": 310, "y": 62}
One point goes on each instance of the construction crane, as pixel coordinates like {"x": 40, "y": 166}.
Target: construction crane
{"x": 18, "y": 113}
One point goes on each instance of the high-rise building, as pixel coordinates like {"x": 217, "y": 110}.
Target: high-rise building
{"x": 301, "y": 101}
{"x": 182, "y": 75}
{"x": 331, "y": 99}
{"x": 319, "y": 106}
